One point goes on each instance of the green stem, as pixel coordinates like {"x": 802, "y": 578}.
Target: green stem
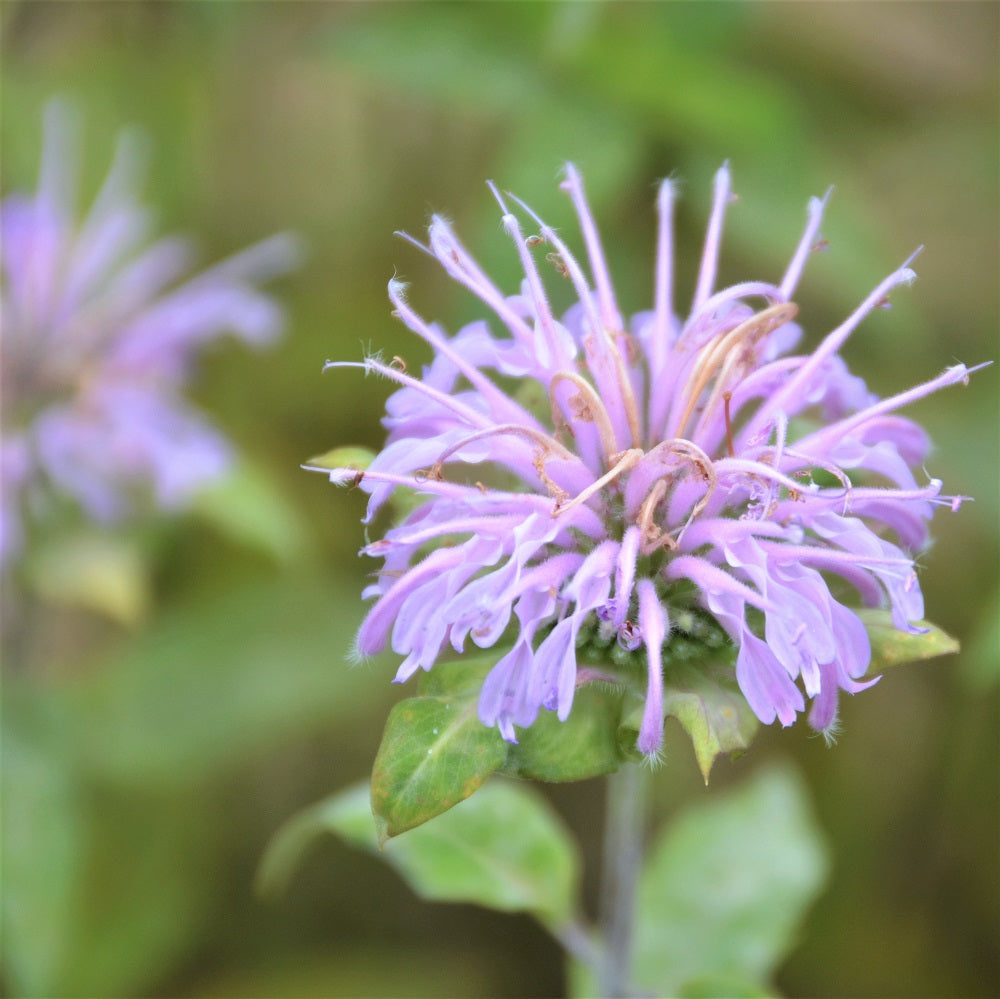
{"x": 625, "y": 813}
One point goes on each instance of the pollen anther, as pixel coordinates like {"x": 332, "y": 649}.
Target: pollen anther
{"x": 719, "y": 358}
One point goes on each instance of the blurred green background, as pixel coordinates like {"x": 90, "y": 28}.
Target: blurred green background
{"x": 146, "y": 767}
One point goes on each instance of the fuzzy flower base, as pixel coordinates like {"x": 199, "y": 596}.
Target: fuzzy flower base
{"x": 677, "y": 467}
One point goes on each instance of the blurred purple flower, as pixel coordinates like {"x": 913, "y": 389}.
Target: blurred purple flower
{"x": 677, "y": 470}
{"x": 98, "y": 340}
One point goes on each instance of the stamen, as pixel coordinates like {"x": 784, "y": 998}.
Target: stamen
{"x": 625, "y": 384}
{"x": 643, "y": 481}
{"x": 546, "y": 443}
{"x": 627, "y": 461}
{"x": 591, "y": 409}
{"x": 727, "y": 398}
{"x": 708, "y": 473}
{"x": 651, "y": 533}
{"x": 827, "y": 466}
{"x": 718, "y": 357}
{"x": 556, "y": 492}
{"x": 697, "y": 322}
{"x": 557, "y": 262}
{"x": 695, "y": 454}
{"x": 761, "y": 471}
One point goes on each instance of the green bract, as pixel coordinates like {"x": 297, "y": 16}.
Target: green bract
{"x": 435, "y": 752}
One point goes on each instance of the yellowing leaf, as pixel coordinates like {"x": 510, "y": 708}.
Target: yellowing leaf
{"x": 343, "y": 457}
{"x": 891, "y": 647}
{"x": 102, "y": 573}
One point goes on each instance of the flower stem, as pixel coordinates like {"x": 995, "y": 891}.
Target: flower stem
{"x": 625, "y": 811}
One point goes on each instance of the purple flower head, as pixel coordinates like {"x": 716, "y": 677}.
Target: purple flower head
{"x": 99, "y": 335}
{"x": 684, "y": 481}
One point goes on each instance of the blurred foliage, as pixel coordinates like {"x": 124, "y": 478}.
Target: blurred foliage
{"x": 718, "y": 907}
{"x": 503, "y": 849}
{"x": 726, "y": 901}
{"x": 146, "y": 764}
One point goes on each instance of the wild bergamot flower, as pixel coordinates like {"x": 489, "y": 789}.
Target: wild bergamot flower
{"x": 99, "y": 336}
{"x": 683, "y": 481}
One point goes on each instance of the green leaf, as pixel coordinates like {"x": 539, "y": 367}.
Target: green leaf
{"x": 891, "y": 647}
{"x": 724, "y": 888}
{"x": 459, "y": 677}
{"x": 343, "y": 457}
{"x": 503, "y": 849}
{"x": 705, "y": 699}
{"x": 583, "y": 746}
{"x": 347, "y": 813}
{"x": 435, "y": 752}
